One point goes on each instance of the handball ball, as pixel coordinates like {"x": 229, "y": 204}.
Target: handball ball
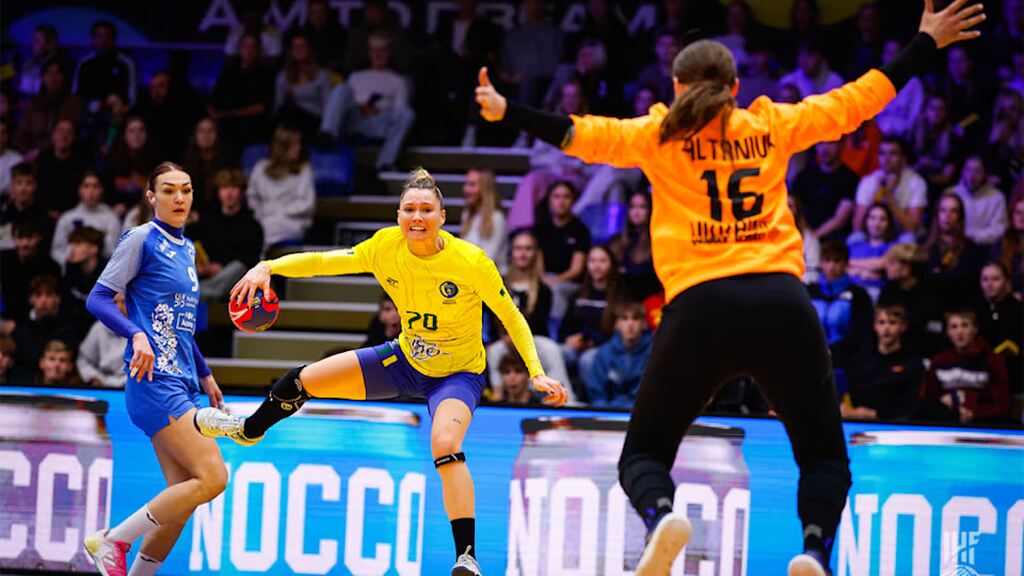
{"x": 257, "y": 315}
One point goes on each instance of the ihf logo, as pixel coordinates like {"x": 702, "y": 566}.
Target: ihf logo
{"x": 958, "y": 553}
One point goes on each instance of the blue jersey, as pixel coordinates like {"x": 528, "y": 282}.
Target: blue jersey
{"x": 156, "y": 272}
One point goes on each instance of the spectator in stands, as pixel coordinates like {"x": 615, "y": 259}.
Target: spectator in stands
{"x": 590, "y": 68}
{"x": 565, "y": 242}
{"x": 169, "y": 108}
{"x": 386, "y": 325}
{"x": 325, "y": 35}
{"x": 141, "y": 213}
{"x": 667, "y": 43}
{"x": 632, "y": 249}
{"x": 530, "y": 54}
{"x": 812, "y": 244}
{"x": 549, "y": 165}
{"x": 825, "y": 189}
{"x": 243, "y": 95}
{"x": 758, "y": 78}
{"x": 514, "y": 385}
{"x": 954, "y": 261}
{"x": 984, "y": 205}
{"x": 58, "y": 169}
{"x": 866, "y": 253}
{"x": 812, "y": 76}
{"x": 8, "y": 156}
{"x": 805, "y": 18}
{"x": 45, "y": 48}
{"x": 865, "y": 52}
{"x": 21, "y": 205}
{"x": 969, "y": 98}
{"x": 302, "y": 88}
{"x": 229, "y": 240}
{"x": 7, "y": 352}
{"x": 91, "y": 212}
{"x": 377, "y": 20}
{"x": 1001, "y": 321}
{"x": 85, "y": 263}
{"x": 844, "y": 309}
{"x": 590, "y": 318}
{"x": 936, "y": 146}
{"x": 902, "y": 111}
{"x": 26, "y": 261}
{"x": 886, "y": 378}
{"x": 107, "y": 125}
{"x": 904, "y": 267}
{"x": 42, "y": 324}
{"x": 53, "y": 102}
{"x": 105, "y": 70}
{"x": 130, "y": 163}
{"x": 1005, "y": 149}
{"x": 613, "y": 378}
{"x": 56, "y": 367}
{"x": 1010, "y": 251}
{"x": 967, "y": 382}
{"x": 281, "y": 192}
{"x": 372, "y": 103}
{"x": 738, "y": 23}
{"x": 483, "y": 217}
{"x": 101, "y": 355}
{"x": 525, "y": 283}
{"x": 253, "y": 23}
{"x": 206, "y": 155}
{"x": 896, "y": 185}
{"x": 603, "y": 21}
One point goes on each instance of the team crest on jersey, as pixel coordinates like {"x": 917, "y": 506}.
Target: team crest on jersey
{"x": 449, "y": 289}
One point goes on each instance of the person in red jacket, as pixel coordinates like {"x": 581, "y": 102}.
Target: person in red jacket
{"x": 966, "y": 383}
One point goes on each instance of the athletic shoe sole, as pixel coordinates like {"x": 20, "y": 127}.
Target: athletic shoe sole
{"x": 804, "y": 565}
{"x": 669, "y": 538}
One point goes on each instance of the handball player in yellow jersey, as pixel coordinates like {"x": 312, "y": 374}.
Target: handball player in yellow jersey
{"x": 438, "y": 283}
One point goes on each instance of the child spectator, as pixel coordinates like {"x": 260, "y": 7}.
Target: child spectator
{"x": 984, "y": 206}
{"x": 91, "y": 212}
{"x": 82, "y": 270}
{"x": 966, "y": 383}
{"x": 58, "y": 168}
{"x": 515, "y": 385}
{"x": 42, "y": 324}
{"x": 101, "y": 355}
{"x": 825, "y": 189}
{"x": 130, "y": 163}
{"x": 55, "y": 366}
{"x": 953, "y": 260}
{"x": 281, "y": 191}
{"x": 866, "y": 267}
{"x": 632, "y": 249}
{"x": 896, "y": 185}
{"x": 936, "y": 145}
{"x": 26, "y": 261}
{"x": 843, "y": 308}
{"x": 483, "y": 218}
{"x": 904, "y": 267}
{"x": 886, "y": 378}
{"x": 812, "y": 76}
{"x": 205, "y": 156}
{"x": 1001, "y": 321}
{"x": 22, "y": 205}
{"x": 385, "y": 326}
{"x": 614, "y": 376}
{"x": 565, "y": 242}
{"x": 301, "y": 88}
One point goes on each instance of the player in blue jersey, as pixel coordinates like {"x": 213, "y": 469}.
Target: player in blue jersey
{"x": 154, "y": 267}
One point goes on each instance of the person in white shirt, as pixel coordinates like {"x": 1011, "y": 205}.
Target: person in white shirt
{"x": 896, "y": 185}
{"x": 812, "y": 75}
{"x": 8, "y": 157}
{"x": 372, "y": 103}
{"x": 984, "y": 206}
{"x": 483, "y": 219}
{"x": 281, "y": 192}
{"x": 90, "y": 211}
{"x": 902, "y": 111}
{"x": 101, "y": 355}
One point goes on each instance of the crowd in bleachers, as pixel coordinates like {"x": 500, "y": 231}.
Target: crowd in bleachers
{"x": 913, "y": 225}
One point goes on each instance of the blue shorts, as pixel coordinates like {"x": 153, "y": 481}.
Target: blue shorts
{"x": 150, "y": 404}
{"x": 387, "y": 374}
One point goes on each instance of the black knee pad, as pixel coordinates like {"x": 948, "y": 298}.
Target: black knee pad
{"x": 288, "y": 391}
{"x": 449, "y": 459}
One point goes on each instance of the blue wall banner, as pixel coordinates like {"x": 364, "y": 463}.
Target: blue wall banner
{"x": 349, "y": 488}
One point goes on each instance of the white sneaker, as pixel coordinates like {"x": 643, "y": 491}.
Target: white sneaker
{"x": 806, "y": 565}
{"x": 667, "y": 540}
{"x": 466, "y": 565}
{"x": 214, "y": 423}
{"x": 109, "y": 556}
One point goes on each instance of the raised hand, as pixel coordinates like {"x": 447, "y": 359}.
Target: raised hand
{"x": 492, "y": 104}
{"x": 953, "y": 23}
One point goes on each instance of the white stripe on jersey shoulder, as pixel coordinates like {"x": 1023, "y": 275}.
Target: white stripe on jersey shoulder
{"x": 168, "y": 235}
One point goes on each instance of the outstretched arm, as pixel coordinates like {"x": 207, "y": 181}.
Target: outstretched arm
{"x": 300, "y": 265}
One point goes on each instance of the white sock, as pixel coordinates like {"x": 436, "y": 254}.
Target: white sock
{"x": 144, "y": 566}
{"x": 134, "y": 526}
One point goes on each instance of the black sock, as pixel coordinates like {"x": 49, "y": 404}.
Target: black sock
{"x": 464, "y": 531}
{"x": 285, "y": 398}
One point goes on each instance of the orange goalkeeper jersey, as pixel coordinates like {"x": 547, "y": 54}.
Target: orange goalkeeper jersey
{"x": 719, "y": 206}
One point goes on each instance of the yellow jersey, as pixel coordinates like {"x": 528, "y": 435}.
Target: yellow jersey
{"x": 719, "y": 206}
{"x": 439, "y": 298}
